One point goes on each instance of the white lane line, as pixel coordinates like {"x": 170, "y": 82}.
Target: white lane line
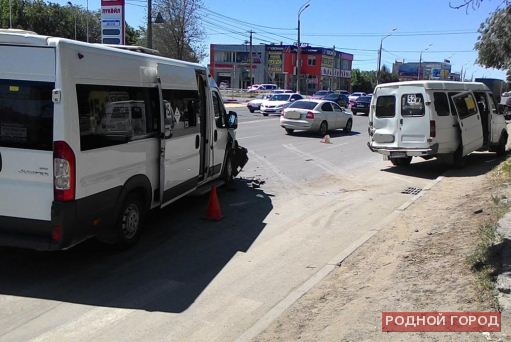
{"x": 250, "y": 136}
{"x": 285, "y": 179}
{"x": 322, "y": 164}
{"x": 255, "y": 121}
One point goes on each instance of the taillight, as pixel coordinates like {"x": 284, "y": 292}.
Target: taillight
{"x": 432, "y": 128}
{"x": 64, "y": 172}
{"x": 310, "y": 115}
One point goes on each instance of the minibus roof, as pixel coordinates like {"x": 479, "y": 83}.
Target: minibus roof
{"x": 438, "y": 85}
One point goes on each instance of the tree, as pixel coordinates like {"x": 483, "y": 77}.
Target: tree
{"x": 181, "y": 35}
{"x": 494, "y": 42}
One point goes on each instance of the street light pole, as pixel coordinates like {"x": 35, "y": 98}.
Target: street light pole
{"x": 87, "y": 21}
{"x": 420, "y": 62}
{"x": 10, "y": 14}
{"x": 149, "y": 24}
{"x": 74, "y": 10}
{"x": 299, "y": 48}
{"x": 379, "y": 56}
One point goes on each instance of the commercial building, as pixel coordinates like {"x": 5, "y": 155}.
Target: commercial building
{"x": 424, "y": 70}
{"x": 321, "y": 68}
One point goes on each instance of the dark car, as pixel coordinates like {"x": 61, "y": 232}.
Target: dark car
{"x": 340, "y": 99}
{"x": 320, "y": 94}
{"x": 361, "y": 104}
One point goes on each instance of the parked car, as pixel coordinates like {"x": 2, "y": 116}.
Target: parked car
{"x": 320, "y": 94}
{"x": 315, "y": 115}
{"x": 361, "y": 104}
{"x": 255, "y": 104}
{"x": 262, "y": 87}
{"x": 344, "y": 92}
{"x": 276, "y": 103}
{"x": 354, "y": 96}
{"x": 282, "y": 91}
{"x": 340, "y": 99}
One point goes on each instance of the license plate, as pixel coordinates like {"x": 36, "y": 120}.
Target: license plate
{"x": 292, "y": 115}
{"x": 398, "y": 154}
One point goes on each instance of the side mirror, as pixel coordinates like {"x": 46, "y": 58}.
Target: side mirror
{"x": 232, "y": 120}
{"x": 501, "y": 108}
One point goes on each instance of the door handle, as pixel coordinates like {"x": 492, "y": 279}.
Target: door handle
{"x": 197, "y": 141}
{"x": 215, "y": 136}
{"x": 401, "y": 121}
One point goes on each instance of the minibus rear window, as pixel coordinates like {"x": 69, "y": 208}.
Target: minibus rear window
{"x": 412, "y": 105}
{"x": 26, "y": 114}
{"x": 386, "y": 106}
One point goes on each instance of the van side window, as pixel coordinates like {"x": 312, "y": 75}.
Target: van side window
{"x": 465, "y": 105}
{"x": 386, "y": 106}
{"x": 412, "y": 105}
{"x": 184, "y": 107}
{"x": 441, "y": 104}
{"x": 113, "y": 115}
{"x": 453, "y": 110}
{"x": 219, "y": 110}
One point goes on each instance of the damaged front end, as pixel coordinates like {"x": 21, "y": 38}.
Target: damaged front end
{"x": 239, "y": 158}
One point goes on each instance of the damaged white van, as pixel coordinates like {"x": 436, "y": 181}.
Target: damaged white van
{"x": 441, "y": 119}
{"x": 92, "y": 137}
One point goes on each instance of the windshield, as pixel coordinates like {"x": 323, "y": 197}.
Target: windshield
{"x": 364, "y": 99}
{"x": 303, "y": 105}
{"x": 322, "y": 92}
{"x": 331, "y": 97}
{"x": 26, "y": 114}
{"x": 280, "y": 97}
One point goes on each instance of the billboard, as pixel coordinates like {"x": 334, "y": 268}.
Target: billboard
{"x": 112, "y": 22}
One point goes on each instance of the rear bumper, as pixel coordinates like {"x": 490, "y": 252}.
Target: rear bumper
{"x": 401, "y": 152}
{"x": 75, "y": 221}
{"x": 296, "y": 124}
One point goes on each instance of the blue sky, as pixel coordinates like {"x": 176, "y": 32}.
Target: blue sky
{"x": 354, "y": 26}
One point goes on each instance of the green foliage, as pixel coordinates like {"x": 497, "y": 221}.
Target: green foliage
{"x": 52, "y": 19}
{"x": 365, "y": 81}
{"x": 494, "y": 43}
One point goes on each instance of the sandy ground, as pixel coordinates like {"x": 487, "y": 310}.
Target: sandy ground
{"x": 418, "y": 262}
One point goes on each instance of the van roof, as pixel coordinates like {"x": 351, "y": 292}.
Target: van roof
{"x": 439, "y": 85}
{"x": 28, "y": 38}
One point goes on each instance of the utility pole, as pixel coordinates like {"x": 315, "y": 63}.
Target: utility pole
{"x": 10, "y": 14}
{"x": 420, "y": 62}
{"x": 379, "y": 56}
{"x": 298, "y": 52}
{"x": 149, "y": 24}
{"x": 87, "y": 21}
{"x": 250, "y": 57}
{"x": 74, "y": 10}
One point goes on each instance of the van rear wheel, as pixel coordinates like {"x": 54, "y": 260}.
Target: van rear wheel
{"x": 401, "y": 161}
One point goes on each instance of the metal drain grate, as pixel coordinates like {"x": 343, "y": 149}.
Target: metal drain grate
{"x": 411, "y": 190}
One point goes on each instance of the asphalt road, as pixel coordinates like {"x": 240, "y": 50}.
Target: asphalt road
{"x": 298, "y": 206}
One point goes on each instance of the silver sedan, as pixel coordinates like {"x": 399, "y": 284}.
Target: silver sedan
{"x": 316, "y": 115}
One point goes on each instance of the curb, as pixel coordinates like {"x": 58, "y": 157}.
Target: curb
{"x": 264, "y": 322}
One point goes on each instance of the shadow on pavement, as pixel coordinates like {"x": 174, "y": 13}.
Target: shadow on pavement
{"x": 476, "y": 163}
{"x": 333, "y": 134}
{"x": 178, "y": 256}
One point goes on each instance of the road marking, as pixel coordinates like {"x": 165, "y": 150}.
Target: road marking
{"x": 274, "y": 313}
{"x": 250, "y": 136}
{"x": 255, "y": 121}
{"x": 322, "y": 164}
{"x": 285, "y": 179}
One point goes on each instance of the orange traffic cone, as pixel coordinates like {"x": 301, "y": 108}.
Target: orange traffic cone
{"x": 214, "y": 212}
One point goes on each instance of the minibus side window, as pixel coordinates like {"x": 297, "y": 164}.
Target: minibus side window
{"x": 466, "y": 104}
{"x": 453, "y": 109}
{"x": 386, "y": 106}
{"x": 441, "y": 104}
{"x": 219, "y": 110}
{"x": 113, "y": 115}
{"x": 184, "y": 109}
{"x": 412, "y": 105}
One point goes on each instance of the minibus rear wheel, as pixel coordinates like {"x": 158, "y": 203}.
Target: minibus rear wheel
{"x": 129, "y": 222}
{"x": 401, "y": 161}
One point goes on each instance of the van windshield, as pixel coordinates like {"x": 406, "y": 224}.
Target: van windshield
{"x": 26, "y": 114}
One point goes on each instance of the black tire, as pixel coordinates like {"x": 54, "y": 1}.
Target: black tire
{"x": 289, "y": 131}
{"x": 251, "y": 110}
{"x": 265, "y": 114}
{"x": 348, "y": 127}
{"x": 323, "y": 128}
{"x": 129, "y": 222}
{"x": 227, "y": 174}
{"x": 458, "y": 160}
{"x": 401, "y": 161}
{"x": 501, "y": 147}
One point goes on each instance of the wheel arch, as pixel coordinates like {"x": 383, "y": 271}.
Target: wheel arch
{"x": 139, "y": 185}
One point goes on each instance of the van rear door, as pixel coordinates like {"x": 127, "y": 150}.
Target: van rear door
{"x": 470, "y": 121}
{"x": 414, "y": 125}
{"x": 27, "y": 78}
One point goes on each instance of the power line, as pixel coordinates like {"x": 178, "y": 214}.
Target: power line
{"x": 394, "y": 35}
{"x": 246, "y": 22}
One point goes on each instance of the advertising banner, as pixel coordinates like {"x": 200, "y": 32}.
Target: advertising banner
{"x": 112, "y": 22}
{"x": 275, "y": 62}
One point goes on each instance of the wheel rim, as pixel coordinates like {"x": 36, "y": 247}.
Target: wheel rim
{"x": 130, "y": 221}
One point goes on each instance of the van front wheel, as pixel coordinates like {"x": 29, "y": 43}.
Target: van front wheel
{"x": 401, "y": 161}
